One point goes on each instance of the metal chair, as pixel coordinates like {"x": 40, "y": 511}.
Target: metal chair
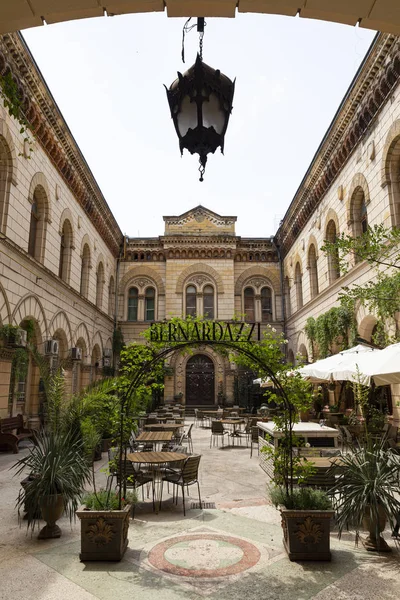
{"x": 187, "y": 437}
{"x": 188, "y": 475}
{"x": 217, "y": 430}
{"x": 254, "y": 440}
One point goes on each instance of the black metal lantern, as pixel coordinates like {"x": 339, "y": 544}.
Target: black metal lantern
{"x": 200, "y": 101}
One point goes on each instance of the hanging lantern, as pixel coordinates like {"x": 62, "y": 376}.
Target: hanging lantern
{"x": 200, "y": 101}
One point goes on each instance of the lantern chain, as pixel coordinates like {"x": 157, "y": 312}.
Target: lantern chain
{"x": 201, "y": 36}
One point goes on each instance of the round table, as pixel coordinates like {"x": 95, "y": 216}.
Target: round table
{"x": 156, "y": 459}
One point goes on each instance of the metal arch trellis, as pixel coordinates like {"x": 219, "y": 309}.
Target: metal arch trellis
{"x": 148, "y": 366}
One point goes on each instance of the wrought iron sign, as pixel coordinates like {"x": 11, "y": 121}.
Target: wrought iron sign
{"x": 207, "y": 331}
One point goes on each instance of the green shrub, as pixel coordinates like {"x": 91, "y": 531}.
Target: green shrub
{"x": 104, "y": 500}
{"x": 301, "y": 499}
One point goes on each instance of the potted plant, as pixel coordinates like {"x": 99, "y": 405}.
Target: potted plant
{"x": 366, "y": 493}
{"x": 58, "y": 469}
{"x": 104, "y": 526}
{"x": 306, "y": 516}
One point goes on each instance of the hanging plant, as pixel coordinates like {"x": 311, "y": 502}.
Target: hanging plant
{"x": 334, "y": 327}
{"x": 118, "y": 341}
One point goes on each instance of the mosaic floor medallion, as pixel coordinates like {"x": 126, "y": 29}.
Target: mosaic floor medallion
{"x": 204, "y": 555}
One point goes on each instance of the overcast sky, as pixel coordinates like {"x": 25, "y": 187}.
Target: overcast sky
{"x": 107, "y": 76}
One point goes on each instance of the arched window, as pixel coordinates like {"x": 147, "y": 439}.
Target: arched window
{"x": 5, "y": 181}
{"x": 364, "y": 217}
{"x": 64, "y": 267}
{"x": 133, "y": 304}
{"x": 266, "y": 305}
{"x": 313, "y": 271}
{"x": 288, "y": 306}
{"x": 85, "y": 269}
{"x": 359, "y": 216}
{"x": 33, "y": 230}
{"x": 333, "y": 257}
{"x": 191, "y": 297}
{"x": 111, "y": 297}
{"x": 99, "y": 285}
{"x": 249, "y": 307}
{"x": 208, "y": 302}
{"x": 37, "y": 228}
{"x": 149, "y": 304}
{"x": 299, "y": 287}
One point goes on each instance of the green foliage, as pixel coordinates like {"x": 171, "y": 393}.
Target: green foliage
{"x": 302, "y": 499}
{"x": 11, "y": 98}
{"x": 58, "y": 465}
{"x": 107, "y": 500}
{"x": 337, "y": 326}
{"x": 117, "y": 341}
{"x": 368, "y": 480}
{"x": 379, "y": 247}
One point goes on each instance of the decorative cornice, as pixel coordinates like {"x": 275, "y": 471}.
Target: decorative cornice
{"x": 369, "y": 91}
{"x": 52, "y": 133}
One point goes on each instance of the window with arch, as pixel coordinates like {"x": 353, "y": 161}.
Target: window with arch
{"x": 288, "y": 306}
{"x": 5, "y": 181}
{"x": 298, "y": 281}
{"x": 37, "y": 227}
{"x": 208, "y": 302}
{"x": 266, "y": 305}
{"x": 64, "y": 267}
{"x": 133, "y": 297}
{"x": 249, "y": 304}
{"x": 313, "y": 271}
{"x": 149, "y": 304}
{"x": 333, "y": 257}
{"x": 191, "y": 300}
{"x": 359, "y": 214}
{"x": 99, "y": 285}
{"x": 111, "y": 297}
{"x": 85, "y": 270}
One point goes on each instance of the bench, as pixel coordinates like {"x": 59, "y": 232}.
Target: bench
{"x": 12, "y": 431}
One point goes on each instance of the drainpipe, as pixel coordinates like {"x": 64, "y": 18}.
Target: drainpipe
{"x": 121, "y": 255}
{"x": 283, "y": 300}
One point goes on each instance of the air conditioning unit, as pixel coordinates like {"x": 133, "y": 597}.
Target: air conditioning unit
{"x": 107, "y": 352}
{"x": 51, "y": 347}
{"x": 76, "y": 354}
{"x": 106, "y": 361}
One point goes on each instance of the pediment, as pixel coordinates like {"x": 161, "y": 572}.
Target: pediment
{"x": 200, "y": 221}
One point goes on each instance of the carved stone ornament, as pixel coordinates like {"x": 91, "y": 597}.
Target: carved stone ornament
{"x": 101, "y": 533}
{"x": 200, "y": 279}
{"x": 309, "y": 532}
{"x": 258, "y": 282}
{"x": 142, "y": 282}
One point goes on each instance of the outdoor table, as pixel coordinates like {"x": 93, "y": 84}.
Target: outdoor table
{"x": 233, "y": 422}
{"x": 156, "y": 460}
{"x": 181, "y": 419}
{"x": 164, "y": 426}
{"x": 155, "y": 437}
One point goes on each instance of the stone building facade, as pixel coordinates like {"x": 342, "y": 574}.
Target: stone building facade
{"x": 67, "y": 271}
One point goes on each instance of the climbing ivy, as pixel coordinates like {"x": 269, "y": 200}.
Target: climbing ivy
{"x": 11, "y": 97}
{"x": 337, "y": 326}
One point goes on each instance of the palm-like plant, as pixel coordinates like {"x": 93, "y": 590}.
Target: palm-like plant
{"x": 57, "y": 465}
{"x": 367, "y": 487}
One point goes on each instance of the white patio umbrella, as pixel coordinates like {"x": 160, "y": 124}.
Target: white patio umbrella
{"x": 338, "y": 367}
{"x": 383, "y": 366}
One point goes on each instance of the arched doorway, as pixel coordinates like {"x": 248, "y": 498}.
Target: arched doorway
{"x": 200, "y": 381}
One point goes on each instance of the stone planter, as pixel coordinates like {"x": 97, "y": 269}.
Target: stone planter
{"x": 52, "y": 508}
{"x": 375, "y": 543}
{"x": 106, "y": 444}
{"x": 306, "y": 533}
{"x": 104, "y": 533}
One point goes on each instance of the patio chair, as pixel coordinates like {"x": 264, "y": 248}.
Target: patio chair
{"x": 254, "y": 440}
{"x": 187, "y": 437}
{"x": 200, "y": 417}
{"x": 217, "y": 430}
{"x": 188, "y": 475}
{"x": 244, "y": 433}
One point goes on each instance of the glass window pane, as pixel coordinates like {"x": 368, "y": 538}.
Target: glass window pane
{"x": 266, "y": 305}
{"x": 249, "y": 304}
{"x": 208, "y": 302}
{"x": 191, "y": 301}
{"x": 132, "y": 304}
{"x": 149, "y": 312}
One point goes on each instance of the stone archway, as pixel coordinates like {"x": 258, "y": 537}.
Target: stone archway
{"x": 200, "y": 381}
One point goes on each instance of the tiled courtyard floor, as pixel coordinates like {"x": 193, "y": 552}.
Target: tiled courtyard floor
{"x": 231, "y": 552}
